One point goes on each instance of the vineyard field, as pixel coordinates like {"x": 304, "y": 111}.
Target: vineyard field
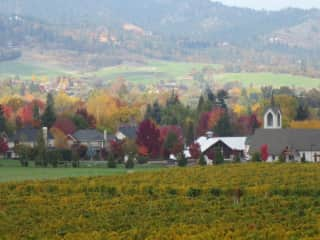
{"x": 232, "y": 201}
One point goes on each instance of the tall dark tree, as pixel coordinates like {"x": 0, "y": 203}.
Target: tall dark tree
{"x": 222, "y": 95}
{"x": 2, "y": 120}
{"x": 223, "y": 127}
{"x": 302, "y": 112}
{"x": 190, "y": 136}
{"x": 156, "y": 112}
{"x": 49, "y": 115}
{"x": 201, "y": 105}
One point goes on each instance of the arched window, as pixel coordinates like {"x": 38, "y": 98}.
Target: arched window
{"x": 270, "y": 120}
{"x": 279, "y": 120}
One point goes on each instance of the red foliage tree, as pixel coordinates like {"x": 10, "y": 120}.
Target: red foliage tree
{"x": 203, "y": 124}
{"x": 3, "y": 146}
{"x": 148, "y": 137}
{"x": 264, "y": 152}
{"x": 117, "y": 148}
{"x": 195, "y": 150}
{"x": 65, "y": 125}
{"x": 82, "y": 112}
{"x": 208, "y": 120}
{"x": 26, "y": 114}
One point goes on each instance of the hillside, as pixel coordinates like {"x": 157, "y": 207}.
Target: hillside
{"x": 244, "y": 201}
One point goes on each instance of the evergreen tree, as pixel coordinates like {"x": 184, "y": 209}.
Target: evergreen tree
{"x": 223, "y": 127}
{"x": 2, "y": 120}
{"x": 156, "y": 112}
{"x": 36, "y": 112}
{"x": 148, "y": 114}
{"x": 49, "y": 115}
{"x": 302, "y": 112}
{"x": 190, "y": 133}
{"x": 202, "y": 161}
{"x": 218, "y": 157}
{"x": 201, "y": 105}
{"x": 41, "y": 148}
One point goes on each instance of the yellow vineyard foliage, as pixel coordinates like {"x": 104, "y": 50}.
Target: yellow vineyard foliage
{"x": 309, "y": 124}
{"x": 245, "y": 201}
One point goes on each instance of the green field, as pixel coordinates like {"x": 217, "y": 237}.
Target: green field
{"x": 25, "y": 70}
{"x": 267, "y": 79}
{"x": 233, "y": 201}
{"x": 152, "y": 72}
{"x": 10, "y": 170}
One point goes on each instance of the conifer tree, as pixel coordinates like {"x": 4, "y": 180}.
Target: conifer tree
{"x": 49, "y": 115}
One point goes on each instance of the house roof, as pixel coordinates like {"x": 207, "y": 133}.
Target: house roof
{"x": 279, "y": 139}
{"x": 129, "y": 131}
{"x": 28, "y": 135}
{"x": 234, "y": 143}
{"x": 88, "y": 135}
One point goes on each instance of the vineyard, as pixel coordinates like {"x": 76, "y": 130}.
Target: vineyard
{"x": 244, "y": 201}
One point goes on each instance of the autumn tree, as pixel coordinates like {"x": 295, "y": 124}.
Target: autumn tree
{"x": 65, "y": 125}
{"x": 264, "y": 152}
{"x": 2, "y": 120}
{"x": 148, "y": 138}
{"x": 195, "y": 150}
{"x": 3, "y": 146}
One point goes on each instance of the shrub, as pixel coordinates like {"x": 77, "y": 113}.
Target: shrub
{"x": 193, "y": 192}
{"x": 303, "y": 158}
{"x": 75, "y": 159}
{"x": 66, "y": 155}
{"x": 256, "y": 157}
{"x": 112, "y": 163}
{"x": 54, "y": 157}
{"x": 182, "y": 161}
{"x": 142, "y": 159}
{"x": 218, "y": 158}
{"x": 282, "y": 158}
{"x": 202, "y": 161}
{"x": 25, "y": 154}
{"x": 129, "y": 163}
{"x": 215, "y": 192}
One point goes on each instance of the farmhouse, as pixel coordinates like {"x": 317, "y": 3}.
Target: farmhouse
{"x": 230, "y": 147}
{"x": 292, "y": 144}
{"x": 28, "y": 136}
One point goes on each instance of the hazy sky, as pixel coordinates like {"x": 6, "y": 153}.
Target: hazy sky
{"x": 272, "y": 4}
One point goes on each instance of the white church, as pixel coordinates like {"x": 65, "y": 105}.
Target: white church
{"x": 294, "y": 144}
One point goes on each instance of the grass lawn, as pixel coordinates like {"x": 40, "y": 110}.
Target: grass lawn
{"x": 266, "y": 79}
{"x": 11, "y": 171}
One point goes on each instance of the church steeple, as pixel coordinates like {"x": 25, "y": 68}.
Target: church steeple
{"x": 272, "y": 115}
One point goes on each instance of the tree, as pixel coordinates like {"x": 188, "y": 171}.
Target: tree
{"x": 218, "y": 157}
{"x": 182, "y": 160}
{"x": 2, "y": 120}
{"x": 195, "y": 150}
{"x": 60, "y": 139}
{"x": 49, "y": 115}
{"x": 41, "y": 148}
{"x": 129, "y": 164}
{"x": 190, "y": 133}
{"x": 65, "y": 125}
{"x": 302, "y": 112}
{"x": 172, "y": 139}
{"x": 202, "y": 160}
{"x": 256, "y": 157}
{"x": 3, "y": 146}
{"x": 148, "y": 138}
{"x": 264, "y": 152}
{"x": 223, "y": 127}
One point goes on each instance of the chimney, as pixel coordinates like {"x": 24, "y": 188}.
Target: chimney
{"x": 45, "y": 135}
{"x": 209, "y": 135}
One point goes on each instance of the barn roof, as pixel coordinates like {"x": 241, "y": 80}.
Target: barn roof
{"x": 234, "y": 143}
{"x": 279, "y": 139}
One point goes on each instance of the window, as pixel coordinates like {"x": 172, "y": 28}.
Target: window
{"x": 279, "y": 120}
{"x": 270, "y": 119}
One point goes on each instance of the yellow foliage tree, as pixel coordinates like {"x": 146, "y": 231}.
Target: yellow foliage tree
{"x": 60, "y": 139}
{"x": 65, "y": 103}
{"x": 310, "y": 124}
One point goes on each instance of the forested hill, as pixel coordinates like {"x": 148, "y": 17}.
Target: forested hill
{"x": 196, "y": 19}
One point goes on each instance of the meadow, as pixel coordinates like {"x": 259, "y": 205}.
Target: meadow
{"x": 266, "y": 79}
{"x": 232, "y": 201}
{"x": 11, "y": 170}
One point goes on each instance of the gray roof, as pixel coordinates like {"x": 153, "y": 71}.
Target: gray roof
{"x": 129, "y": 131}
{"x": 28, "y": 135}
{"x": 279, "y": 139}
{"x": 88, "y": 135}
